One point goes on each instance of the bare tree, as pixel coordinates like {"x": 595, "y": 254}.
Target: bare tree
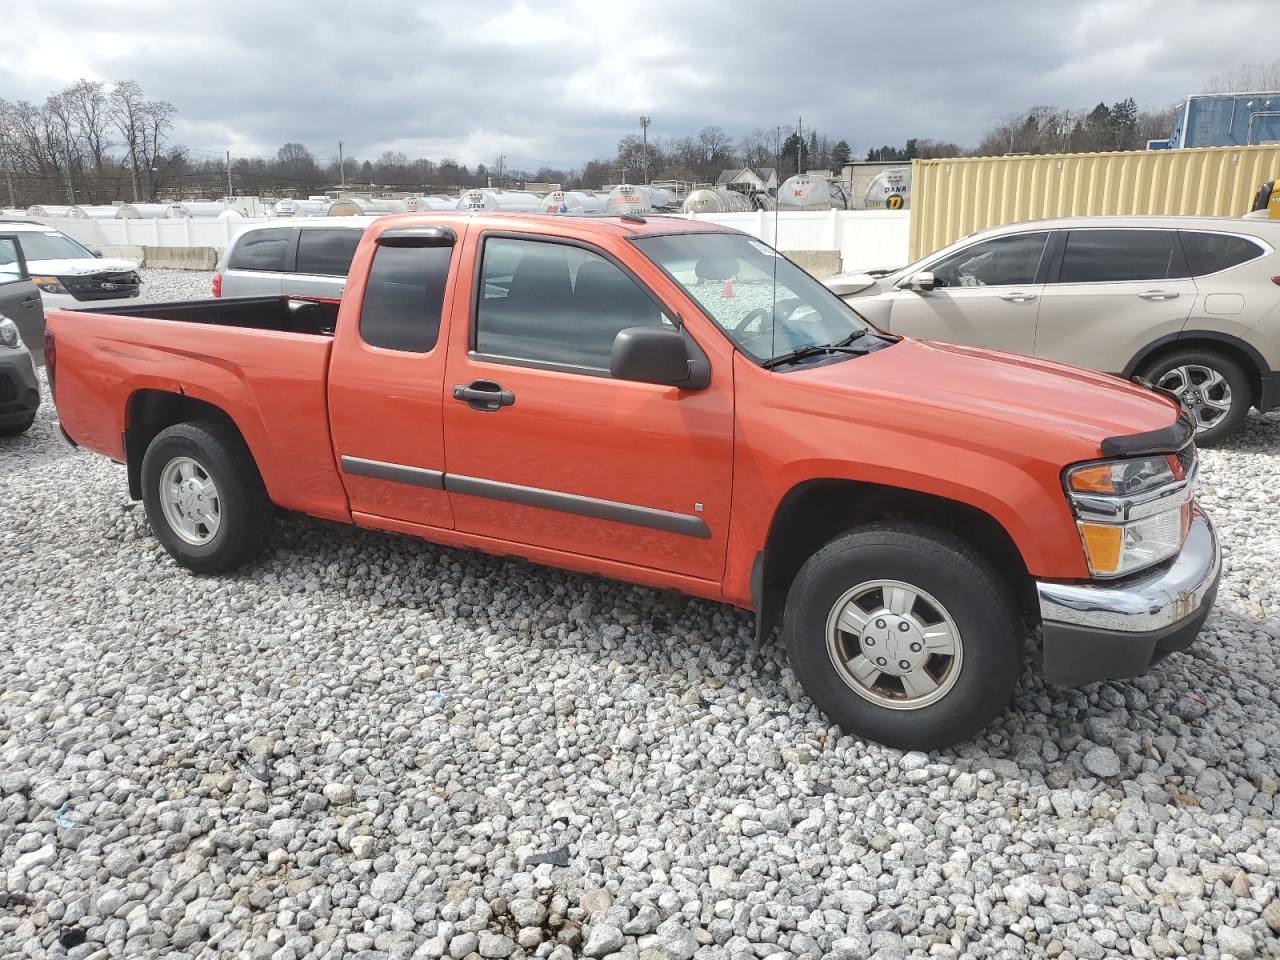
{"x": 1246, "y": 78}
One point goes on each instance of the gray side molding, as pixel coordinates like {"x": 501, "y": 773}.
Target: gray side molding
{"x": 682, "y": 523}
{"x": 395, "y": 472}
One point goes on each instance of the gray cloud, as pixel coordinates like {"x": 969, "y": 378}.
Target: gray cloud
{"x": 560, "y": 82}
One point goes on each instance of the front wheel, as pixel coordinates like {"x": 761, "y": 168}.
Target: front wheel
{"x": 903, "y": 634}
{"x": 204, "y": 497}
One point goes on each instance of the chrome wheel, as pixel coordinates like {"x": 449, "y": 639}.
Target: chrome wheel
{"x": 894, "y": 644}
{"x": 1203, "y": 390}
{"x": 190, "y": 501}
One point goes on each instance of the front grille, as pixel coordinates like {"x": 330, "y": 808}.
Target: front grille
{"x": 104, "y": 286}
{"x": 1186, "y": 458}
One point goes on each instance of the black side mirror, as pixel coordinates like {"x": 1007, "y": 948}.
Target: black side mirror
{"x": 650, "y": 355}
{"x": 97, "y": 253}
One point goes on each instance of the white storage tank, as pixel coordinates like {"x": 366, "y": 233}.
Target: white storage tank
{"x": 716, "y": 201}
{"x": 508, "y": 201}
{"x": 149, "y": 211}
{"x": 572, "y": 201}
{"x": 804, "y": 192}
{"x": 428, "y": 204}
{"x": 363, "y": 207}
{"x": 48, "y": 210}
{"x": 889, "y": 190}
{"x": 286, "y": 208}
{"x": 98, "y": 211}
{"x": 637, "y": 198}
{"x": 204, "y": 208}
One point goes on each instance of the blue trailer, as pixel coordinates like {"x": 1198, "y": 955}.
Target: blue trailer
{"x": 1225, "y": 120}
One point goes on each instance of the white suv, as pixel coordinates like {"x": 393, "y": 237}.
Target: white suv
{"x": 300, "y": 257}
{"x": 1191, "y": 304}
{"x": 69, "y": 274}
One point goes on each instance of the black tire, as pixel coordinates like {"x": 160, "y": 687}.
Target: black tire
{"x": 246, "y": 512}
{"x": 948, "y": 570}
{"x": 1230, "y": 371}
{"x": 17, "y": 429}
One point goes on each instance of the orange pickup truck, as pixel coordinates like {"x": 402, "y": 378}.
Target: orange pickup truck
{"x": 674, "y": 404}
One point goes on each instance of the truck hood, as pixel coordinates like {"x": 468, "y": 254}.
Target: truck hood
{"x": 78, "y": 266}
{"x": 997, "y": 387}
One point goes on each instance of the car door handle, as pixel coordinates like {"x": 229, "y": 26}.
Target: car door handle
{"x": 486, "y": 396}
{"x": 30, "y": 302}
{"x": 1017, "y": 297}
{"x": 1158, "y": 294}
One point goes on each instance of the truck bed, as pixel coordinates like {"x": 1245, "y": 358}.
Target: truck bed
{"x": 282, "y": 314}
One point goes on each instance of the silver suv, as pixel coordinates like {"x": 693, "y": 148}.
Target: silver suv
{"x": 304, "y": 257}
{"x": 1190, "y": 303}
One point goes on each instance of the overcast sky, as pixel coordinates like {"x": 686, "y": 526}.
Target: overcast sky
{"x": 559, "y": 82}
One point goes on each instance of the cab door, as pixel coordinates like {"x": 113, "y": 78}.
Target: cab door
{"x": 544, "y": 447}
{"x": 385, "y": 377}
{"x": 984, "y": 295}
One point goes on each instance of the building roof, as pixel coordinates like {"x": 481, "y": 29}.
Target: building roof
{"x": 763, "y": 174}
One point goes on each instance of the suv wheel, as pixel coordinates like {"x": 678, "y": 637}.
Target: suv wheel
{"x": 1211, "y": 385}
{"x": 903, "y": 634}
{"x": 204, "y": 496}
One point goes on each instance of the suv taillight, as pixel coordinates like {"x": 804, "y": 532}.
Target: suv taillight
{"x": 50, "y": 358}
{"x": 217, "y": 284}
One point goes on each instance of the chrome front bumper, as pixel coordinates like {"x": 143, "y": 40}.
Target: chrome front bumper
{"x": 1096, "y": 631}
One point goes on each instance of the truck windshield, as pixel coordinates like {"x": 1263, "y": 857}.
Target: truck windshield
{"x": 52, "y": 246}
{"x": 732, "y": 277}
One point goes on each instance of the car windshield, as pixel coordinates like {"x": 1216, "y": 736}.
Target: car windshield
{"x": 51, "y": 245}
{"x": 766, "y": 304}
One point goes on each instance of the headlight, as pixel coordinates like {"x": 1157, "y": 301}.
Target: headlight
{"x": 1130, "y": 513}
{"x": 50, "y": 284}
{"x": 8, "y": 333}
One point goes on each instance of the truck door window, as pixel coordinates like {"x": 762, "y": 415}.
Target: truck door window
{"x": 555, "y": 303}
{"x": 327, "y": 253}
{"x": 998, "y": 262}
{"x": 403, "y": 297}
{"x": 1108, "y": 256}
{"x": 262, "y": 250}
{"x": 10, "y": 265}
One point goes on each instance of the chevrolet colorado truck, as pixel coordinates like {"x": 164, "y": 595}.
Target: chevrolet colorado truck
{"x": 674, "y": 404}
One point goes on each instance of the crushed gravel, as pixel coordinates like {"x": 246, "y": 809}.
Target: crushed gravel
{"x": 368, "y": 746}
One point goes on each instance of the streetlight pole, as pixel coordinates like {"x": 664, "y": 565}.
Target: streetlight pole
{"x": 644, "y": 155}
{"x": 342, "y": 168}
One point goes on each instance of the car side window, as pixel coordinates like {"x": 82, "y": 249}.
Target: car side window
{"x": 555, "y": 303}
{"x": 1108, "y": 256}
{"x": 10, "y": 263}
{"x": 403, "y": 297}
{"x": 266, "y": 249}
{"x": 998, "y": 262}
{"x": 1210, "y": 252}
{"x": 327, "y": 252}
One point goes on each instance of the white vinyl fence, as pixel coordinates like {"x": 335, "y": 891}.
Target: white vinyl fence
{"x": 865, "y": 239}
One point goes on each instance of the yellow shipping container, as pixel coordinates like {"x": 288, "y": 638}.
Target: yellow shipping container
{"x": 952, "y": 198}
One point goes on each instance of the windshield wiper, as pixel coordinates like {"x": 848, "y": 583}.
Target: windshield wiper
{"x": 844, "y": 345}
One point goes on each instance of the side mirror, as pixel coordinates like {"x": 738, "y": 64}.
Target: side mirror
{"x": 922, "y": 281}
{"x": 650, "y": 355}
{"x": 97, "y": 253}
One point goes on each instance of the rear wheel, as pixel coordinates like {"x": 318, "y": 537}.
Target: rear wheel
{"x": 903, "y": 634}
{"x": 1212, "y": 385}
{"x": 204, "y": 497}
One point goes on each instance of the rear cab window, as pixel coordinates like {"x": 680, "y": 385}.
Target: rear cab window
{"x": 1118, "y": 255}
{"x": 404, "y": 296}
{"x": 327, "y": 252}
{"x": 266, "y": 249}
{"x": 1213, "y": 252}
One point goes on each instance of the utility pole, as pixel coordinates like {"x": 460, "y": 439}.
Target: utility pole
{"x": 644, "y": 156}
{"x": 8, "y": 176}
{"x": 501, "y": 157}
{"x": 342, "y": 169}
{"x": 799, "y": 142}
{"x": 231, "y": 192}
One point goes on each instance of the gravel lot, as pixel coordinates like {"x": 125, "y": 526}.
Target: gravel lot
{"x": 370, "y": 746}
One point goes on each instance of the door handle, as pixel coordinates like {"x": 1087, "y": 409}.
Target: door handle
{"x": 1017, "y": 297}
{"x": 1158, "y": 294}
{"x": 487, "y": 396}
{"x": 30, "y": 302}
